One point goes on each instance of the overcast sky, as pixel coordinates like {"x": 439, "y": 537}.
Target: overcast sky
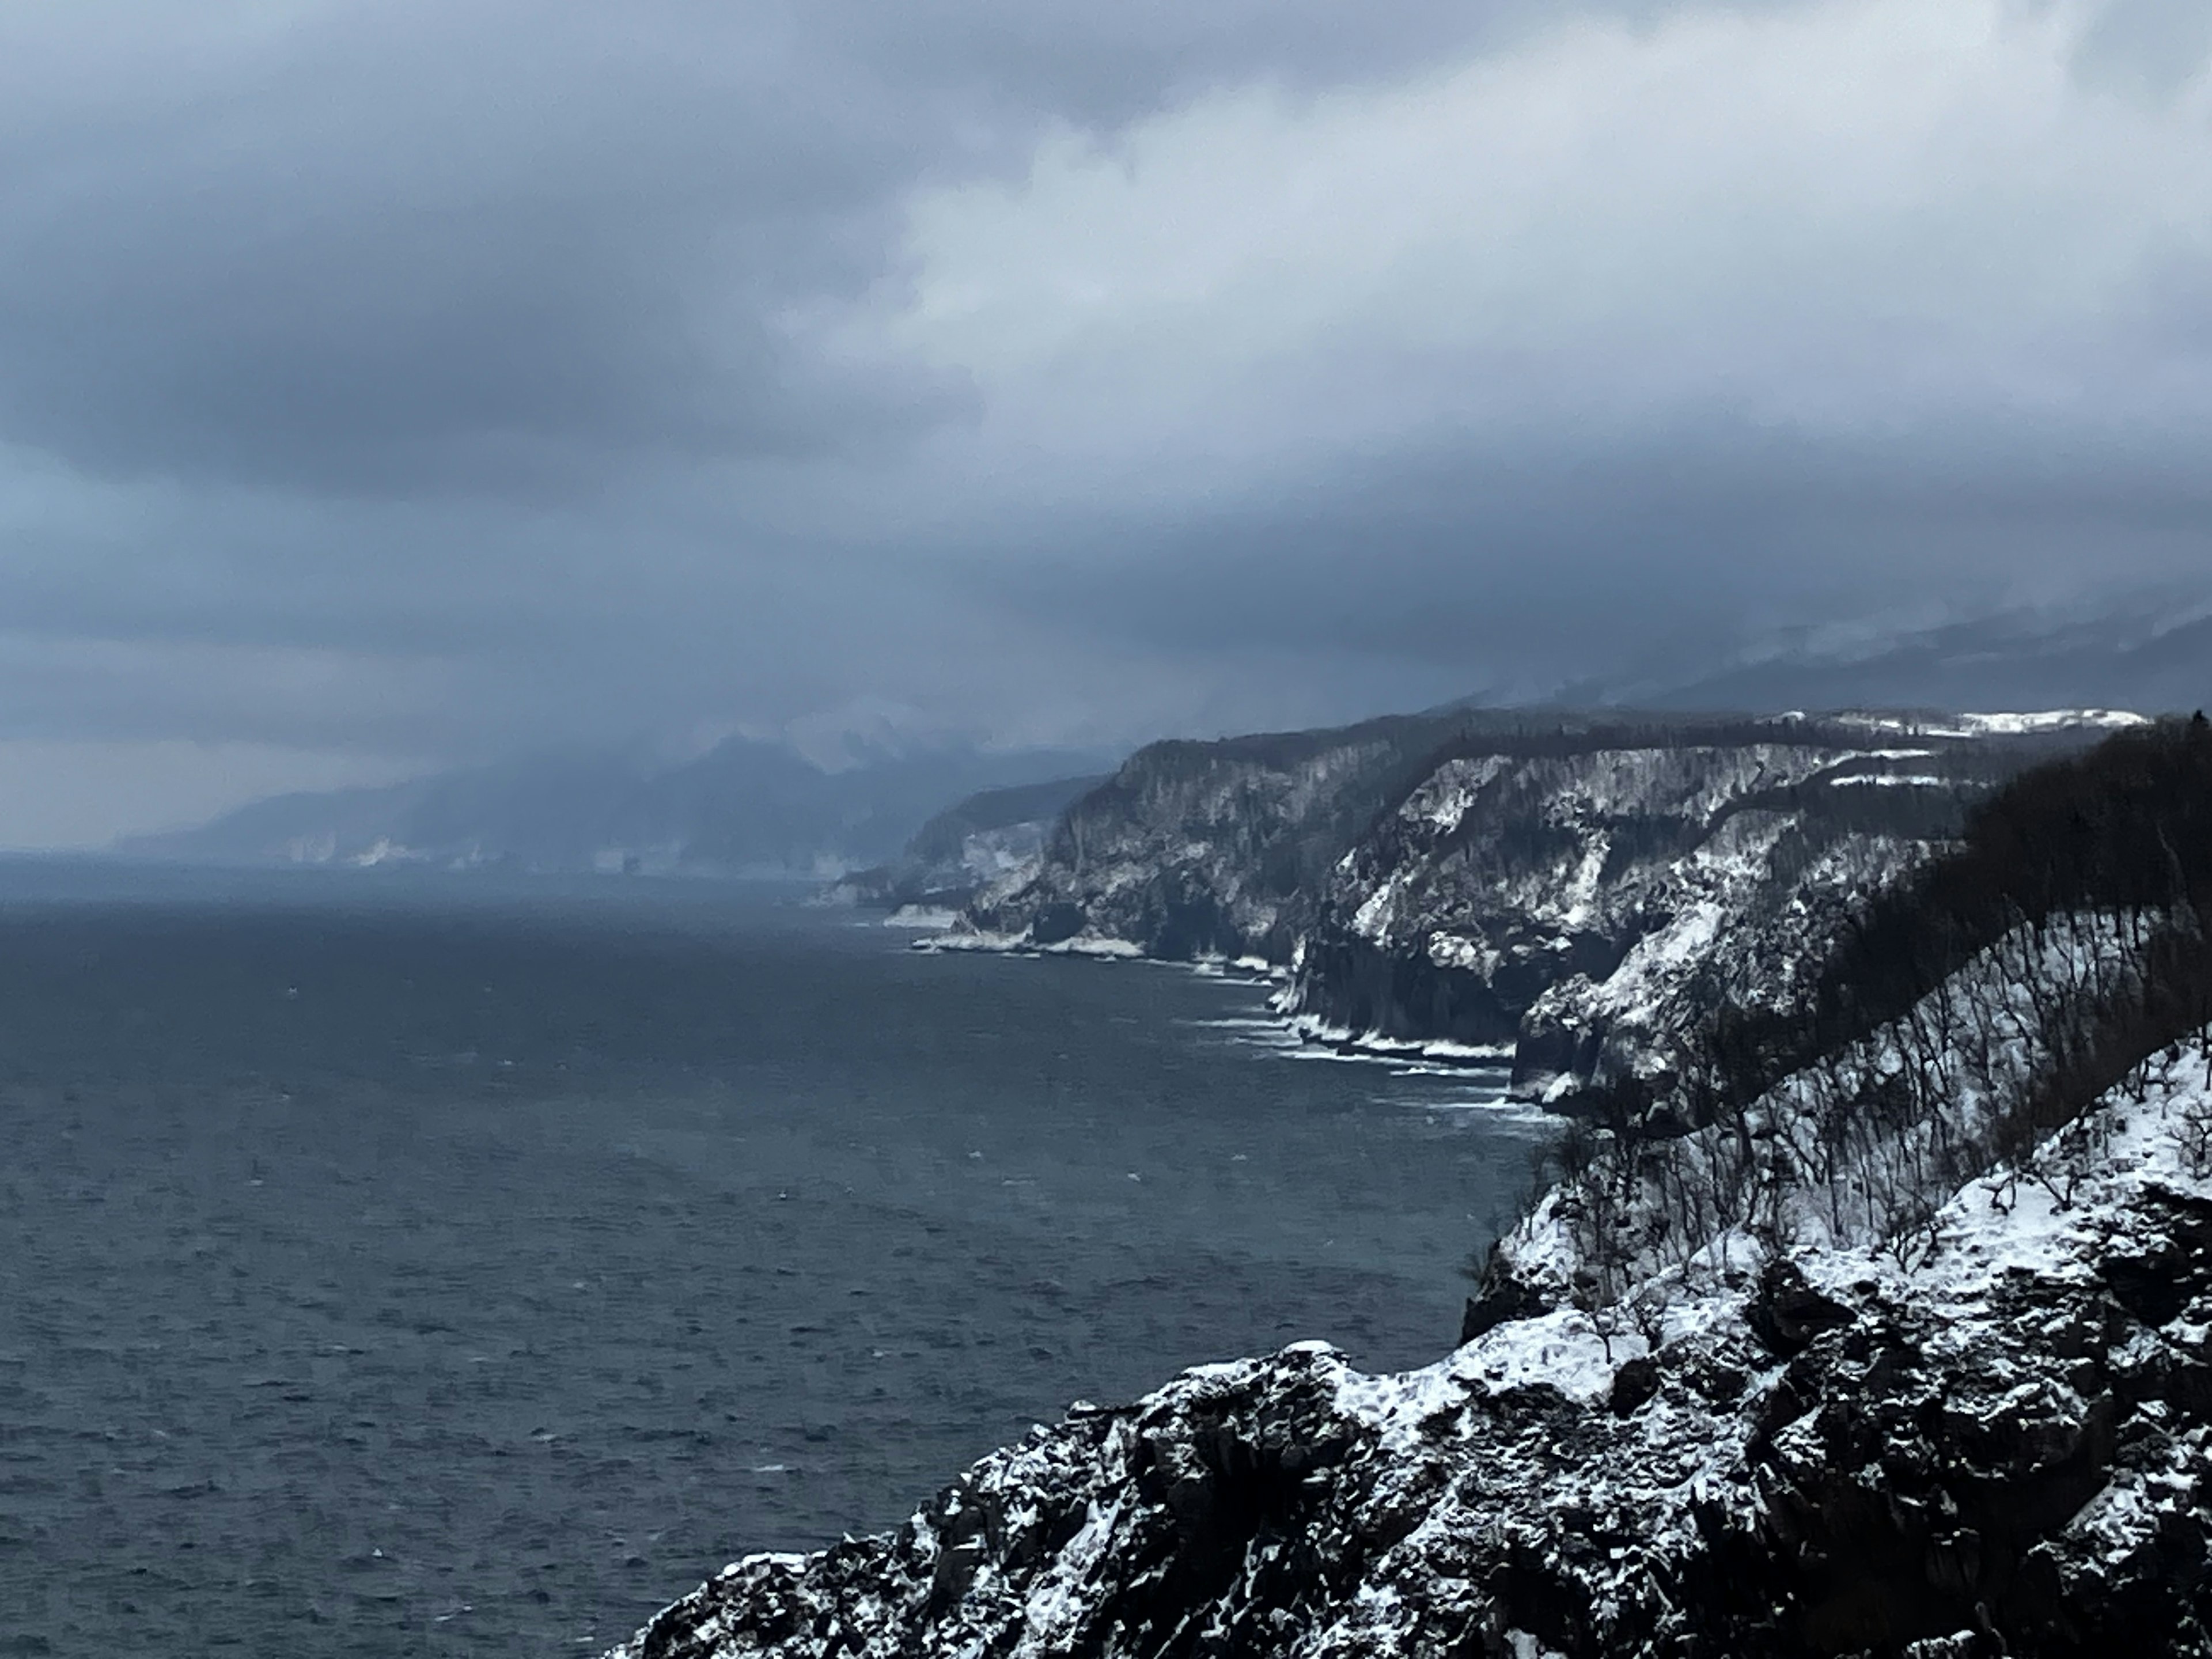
{"x": 389, "y": 383}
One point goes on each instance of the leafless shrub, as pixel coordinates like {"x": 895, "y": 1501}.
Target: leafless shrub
{"x": 1960, "y": 1026}
{"x": 2195, "y": 1133}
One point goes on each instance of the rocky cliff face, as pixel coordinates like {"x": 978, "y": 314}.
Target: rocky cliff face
{"x": 1571, "y": 890}
{"x": 1997, "y": 1445}
{"x": 990, "y": 837}
{"x": 1578, "y": 909}
{"x": 1207, "y": 849}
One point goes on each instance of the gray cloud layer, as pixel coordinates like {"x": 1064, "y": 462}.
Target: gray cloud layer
{"x": 385, "y": 247}
{"x": 386, "y": 383}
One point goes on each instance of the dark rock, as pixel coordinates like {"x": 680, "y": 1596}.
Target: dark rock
{"x": 2156, "y": 1283}
{"x": 1499, "y": 1299}
{"x": 1634, "y": 1384}
{"x": 1787, "y": 1313}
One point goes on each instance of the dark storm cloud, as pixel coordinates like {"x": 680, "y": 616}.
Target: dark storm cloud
{"x": 431, "y": 380}
{"x": 373, "y": 246}
{"x": 377, "y": 246}
{"x": 403, "y": 244}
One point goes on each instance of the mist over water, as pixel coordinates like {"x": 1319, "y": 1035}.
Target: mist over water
{"x": 395, "y": 1267}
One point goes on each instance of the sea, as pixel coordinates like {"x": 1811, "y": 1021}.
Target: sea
{"x": 396, "y": 1263}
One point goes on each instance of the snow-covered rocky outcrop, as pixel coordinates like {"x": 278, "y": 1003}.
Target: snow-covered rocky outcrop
{"x": 1998, "y": 1442}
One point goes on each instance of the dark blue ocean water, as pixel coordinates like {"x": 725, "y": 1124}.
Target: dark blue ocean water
{"x": 416, "y": 1266}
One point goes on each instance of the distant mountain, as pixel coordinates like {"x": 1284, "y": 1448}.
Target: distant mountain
{"x": 743, "y": 808}
{"x": 2154, "y": 661}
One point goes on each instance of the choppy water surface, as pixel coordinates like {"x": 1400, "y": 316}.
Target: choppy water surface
{"x": 416, "y": 1267}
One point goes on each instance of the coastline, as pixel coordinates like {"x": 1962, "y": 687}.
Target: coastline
{"x": 1437, "y": 1055}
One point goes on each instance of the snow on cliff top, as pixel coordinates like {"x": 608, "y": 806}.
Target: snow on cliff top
{"x": 2023, "y": 723}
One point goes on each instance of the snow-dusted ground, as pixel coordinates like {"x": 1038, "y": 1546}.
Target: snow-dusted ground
{"x": 2023, "y": 723}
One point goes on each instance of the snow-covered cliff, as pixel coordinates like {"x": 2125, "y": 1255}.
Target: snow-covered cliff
{"x": 1572, "y": 890}
{"x": 1199, "y": 849}
{"x": 1997, "y": 1445}
{"x": 1572, "y": 907}
{"x": 1881, "y": 1326}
